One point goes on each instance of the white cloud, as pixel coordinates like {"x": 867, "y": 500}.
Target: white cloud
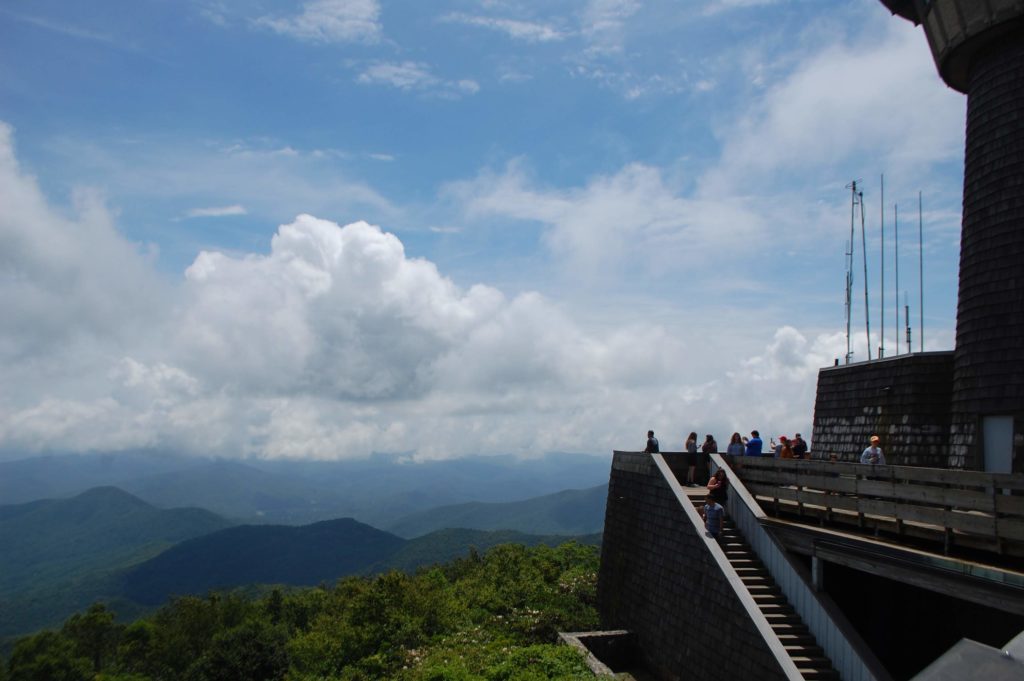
{"x": 405, "y": 75}
{"x": 603, "y": 23}
{"x": 626, "y": 220}
{"x": 716, "y": 6}
{"x": 865, "y": 97}
{"x": 217, "y": 211}
{"x": 331, "y": 21}
{"x": 410, "y": 75}
{"x": 66, "y": 281}
{"x": 527, "y": 31}
{"x": 334, "y": 344}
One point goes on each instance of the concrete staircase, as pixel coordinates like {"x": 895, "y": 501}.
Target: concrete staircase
{"x": 808, "y": 656}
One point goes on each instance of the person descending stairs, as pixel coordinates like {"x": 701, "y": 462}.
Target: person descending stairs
{"x": 800, "y": 644}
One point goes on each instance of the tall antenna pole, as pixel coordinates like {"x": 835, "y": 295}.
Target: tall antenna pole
{"x": 849, "y": 269}
{"x": 881, "y": 307}
{"x": 864, "y": 250}
{"x": 896, "y": 238}
{"x": 920, "y": 266}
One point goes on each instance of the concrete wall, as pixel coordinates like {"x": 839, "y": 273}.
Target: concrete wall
{"x": 905, "y": 400}
{"x": 658, "y": 580}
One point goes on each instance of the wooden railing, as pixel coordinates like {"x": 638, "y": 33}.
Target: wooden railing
{"x": 986, "y": 506}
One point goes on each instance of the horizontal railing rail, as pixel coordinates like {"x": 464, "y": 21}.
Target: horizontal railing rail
{"x": 989, "y": 505}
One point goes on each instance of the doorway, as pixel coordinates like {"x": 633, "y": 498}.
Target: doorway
{"x": 997, "y": 436}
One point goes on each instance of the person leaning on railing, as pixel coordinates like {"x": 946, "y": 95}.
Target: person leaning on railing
{"x": 873, "y": 454}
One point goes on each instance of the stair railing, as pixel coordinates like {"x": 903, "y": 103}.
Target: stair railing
{"x": 849, "y": 655}
{"x": 764, "y": 628}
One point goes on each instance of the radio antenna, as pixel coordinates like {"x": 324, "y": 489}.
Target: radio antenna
{"x": 881, "y": 307}
{"x": 864, "y": 251}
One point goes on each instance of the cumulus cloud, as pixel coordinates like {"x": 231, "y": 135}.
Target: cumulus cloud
{"x": 65, "y": 280}
{"x": 330, "y": 21}
{"x": 333, "y": 344}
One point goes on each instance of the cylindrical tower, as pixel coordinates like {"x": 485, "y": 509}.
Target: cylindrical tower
{"x": 978, "y": 46}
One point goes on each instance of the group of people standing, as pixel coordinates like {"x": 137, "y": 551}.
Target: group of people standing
{"x": 713, "y": 511}
{"x": 786, "y": 448}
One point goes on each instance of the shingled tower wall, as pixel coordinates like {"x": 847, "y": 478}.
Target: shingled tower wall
{"x": 978, "y": 46}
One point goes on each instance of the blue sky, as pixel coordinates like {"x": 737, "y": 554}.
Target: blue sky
{"x": 583, "y": 219}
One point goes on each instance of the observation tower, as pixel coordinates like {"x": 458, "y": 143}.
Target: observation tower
{"x": 978, "y": 47}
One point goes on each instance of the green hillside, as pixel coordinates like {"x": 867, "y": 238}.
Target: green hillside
{"x": 569, "y": 512}
{"x": 446, "y": 545}
{"x": 260, "y": 554}
{"x": 490, "y": 615}
{"x": 58, "y": 555}
{"x": 103, "y": 527}
{"x": 105, "y": 544}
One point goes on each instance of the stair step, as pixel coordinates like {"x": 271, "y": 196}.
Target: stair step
{"x": 776, "y": 607}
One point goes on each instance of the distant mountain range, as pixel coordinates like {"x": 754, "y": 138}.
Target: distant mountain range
{"x": 379, "y": 490}
{"x": 569, "y": 512}
{"x": 105, "y": 544}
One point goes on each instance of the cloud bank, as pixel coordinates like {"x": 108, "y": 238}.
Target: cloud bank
{"x": 333, "y": 344}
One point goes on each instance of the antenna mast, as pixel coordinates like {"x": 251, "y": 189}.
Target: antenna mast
{"x": 864, "y": 251}
{"x": 920, "y": 265}
{"x": 896, "y": 238}
{"x": 881, "y": 307}
{"x": 849, "y": 269}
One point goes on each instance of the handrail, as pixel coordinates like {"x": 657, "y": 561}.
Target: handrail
{"x": 851, "y": 657}
{"x": 986, "y": 504}
{"x": 776, "y": 646}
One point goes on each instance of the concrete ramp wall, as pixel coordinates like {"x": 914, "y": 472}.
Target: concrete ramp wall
{"x": 660, "y": 580}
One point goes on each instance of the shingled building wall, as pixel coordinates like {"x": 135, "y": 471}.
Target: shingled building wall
{"x": 905, "y": 400}
{"x": 989, "y": 374}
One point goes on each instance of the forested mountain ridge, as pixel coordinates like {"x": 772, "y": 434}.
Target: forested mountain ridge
{"x": 106, "y": 544}
{"x": 486, "y": 616}
{"x": 260, "y": 554}
{"x": 102, "y": 527}
{"x": 58, "y": 554}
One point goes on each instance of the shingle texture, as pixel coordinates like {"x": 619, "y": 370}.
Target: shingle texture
{"x": 904, "y": 400}
{"x": 989, "y": 369}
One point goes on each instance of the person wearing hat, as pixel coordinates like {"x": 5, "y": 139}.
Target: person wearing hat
{"x": 785, "y": 448}
{"x": 873, "y": 454}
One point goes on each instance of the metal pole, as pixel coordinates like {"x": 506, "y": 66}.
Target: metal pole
{"x": 849, "y": 269}
{"x": 896, "y": 239}
{"x": 881, "y": 307}
{"x": 864, "y": 249}
{"x": 920, "y": 266}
